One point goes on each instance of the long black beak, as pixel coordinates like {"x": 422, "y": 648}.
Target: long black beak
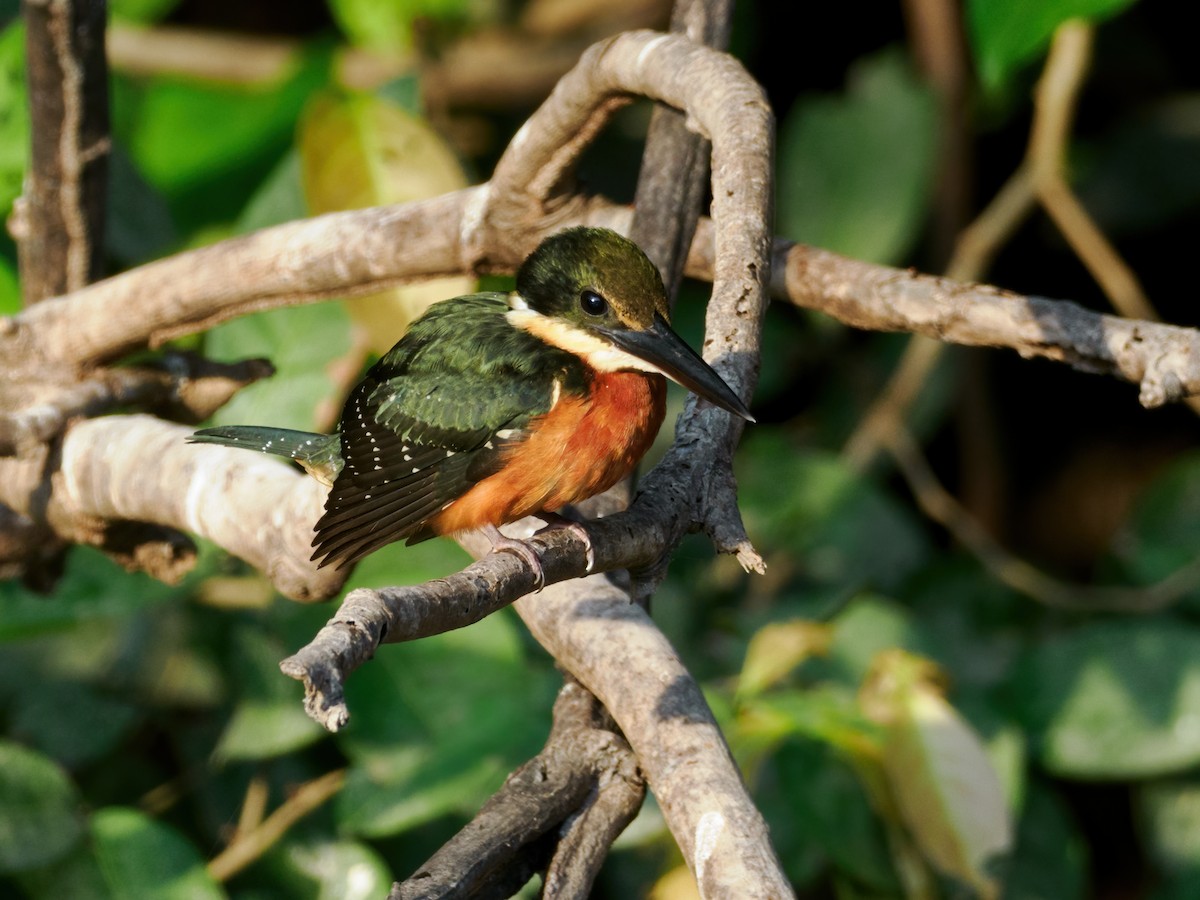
{"x": 664, "y": 349}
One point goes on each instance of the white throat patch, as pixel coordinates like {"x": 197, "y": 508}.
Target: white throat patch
{"x": 600, "y": 355}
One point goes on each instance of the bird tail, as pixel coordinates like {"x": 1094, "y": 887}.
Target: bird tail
{"x": 320, "y": 454}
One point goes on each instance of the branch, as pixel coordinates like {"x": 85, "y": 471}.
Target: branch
{"x": 1164, "y": 360}
{"x": 585, "y": 771}
{"x": 248, "y": 846}
{"x": 614, "y": 648}
{"x": 59, "y": 221}
{"x": 673, "y": 179}
{"x": 340, "y": 254}
{"x": 119, "y": 469}
{"x": 181, "y": 386}
{"x": 726, "y": 837}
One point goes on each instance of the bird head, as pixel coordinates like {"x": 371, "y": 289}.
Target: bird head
{"x": 594, "y": 293}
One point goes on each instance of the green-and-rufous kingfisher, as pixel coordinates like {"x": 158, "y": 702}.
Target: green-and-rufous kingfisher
{"x": 497, "y": 406}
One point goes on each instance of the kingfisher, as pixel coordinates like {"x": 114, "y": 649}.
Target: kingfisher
{"x": 496, "y": 406}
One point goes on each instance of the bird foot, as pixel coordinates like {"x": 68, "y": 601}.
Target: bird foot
{"x": 555, "y": 520}
{"x": 521, "y": 549}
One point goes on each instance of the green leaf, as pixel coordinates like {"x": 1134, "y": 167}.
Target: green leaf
{"x": 1006, "y": 743}
{"x": 14, "y": 116}
{"x": 1050, "y": 860}
{"x": 971, "y": 624}
{"x": 398, "y": 564}
{"x": 303, "y": 343}
{"x": 868, "y": 626}
{"x": 839, "y": 529}
{"x": 39, "y": 809}
{"x": 141, "y": 858}
{"x": 1114, "y": 699}
{"x": 1161, "y": 536}
{"x": 93, "y": 589}
{"x": 142, "y": 11}
{"x": 269, "y": 719}
{"x": 139, "y": 225}
{"x": 71, "y": 721}
{"x": 776, "y": 649}
{"x": 440, "y": 783}
{"x": 946, "y": 789}
{"x": 826, "y": 712}
{"x": 207, "y": 146}
{"x": 472, "y": 686}
{"x": 1170, "y": 815}
{"x": 437, "y": 725}
{"x": 358, "y": 150}
{"x": 832, "y": 811}
{"x": 329, "y": 870}
{"x": 1180, "y": 888}
{"x": 388, "y": 24}
{"x": 855, "y": 170}
{"x": 10, "y": 288}
{"x": 279, "y": 199}
{"x": 1006, "y": 34}
{"x": 77, "y": 876}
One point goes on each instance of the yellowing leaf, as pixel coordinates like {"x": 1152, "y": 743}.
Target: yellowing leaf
{"x": 678, "y": 884}
{"x": 359, "y": 150}
{"x": 776, "y": 649}
{"x": 945, "y": 787}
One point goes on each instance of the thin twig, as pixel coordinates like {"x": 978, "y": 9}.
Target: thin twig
{"x": 249, "y": 846}
{"x": 937, "y": 503}
{"x": 939, "y": 45}
{"x": 1055, "y": 101}
{"x": 977, "y": 245}
{"x": 254, "y": 807}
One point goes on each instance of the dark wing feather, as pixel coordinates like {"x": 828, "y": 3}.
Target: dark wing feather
{"x": 430, "y": 420}
{"x": 388, "y": 487}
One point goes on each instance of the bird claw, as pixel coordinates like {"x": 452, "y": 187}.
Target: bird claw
{"x": 524, "y": 550}
{"x": 554, "y": 521}
{"x": 520, "y": 549}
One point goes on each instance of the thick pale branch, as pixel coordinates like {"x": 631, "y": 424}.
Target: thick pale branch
{"x": 617, "y": 651}
{"x": 139, "y": 469}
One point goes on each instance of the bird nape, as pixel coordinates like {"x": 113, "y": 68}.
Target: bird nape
{"x": 497, "y": 406}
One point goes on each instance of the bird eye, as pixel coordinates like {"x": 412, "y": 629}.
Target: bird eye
{"x": 592, "y": 303}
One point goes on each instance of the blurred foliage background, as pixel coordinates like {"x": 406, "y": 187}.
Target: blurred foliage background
{"x": 892, "y": 701}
